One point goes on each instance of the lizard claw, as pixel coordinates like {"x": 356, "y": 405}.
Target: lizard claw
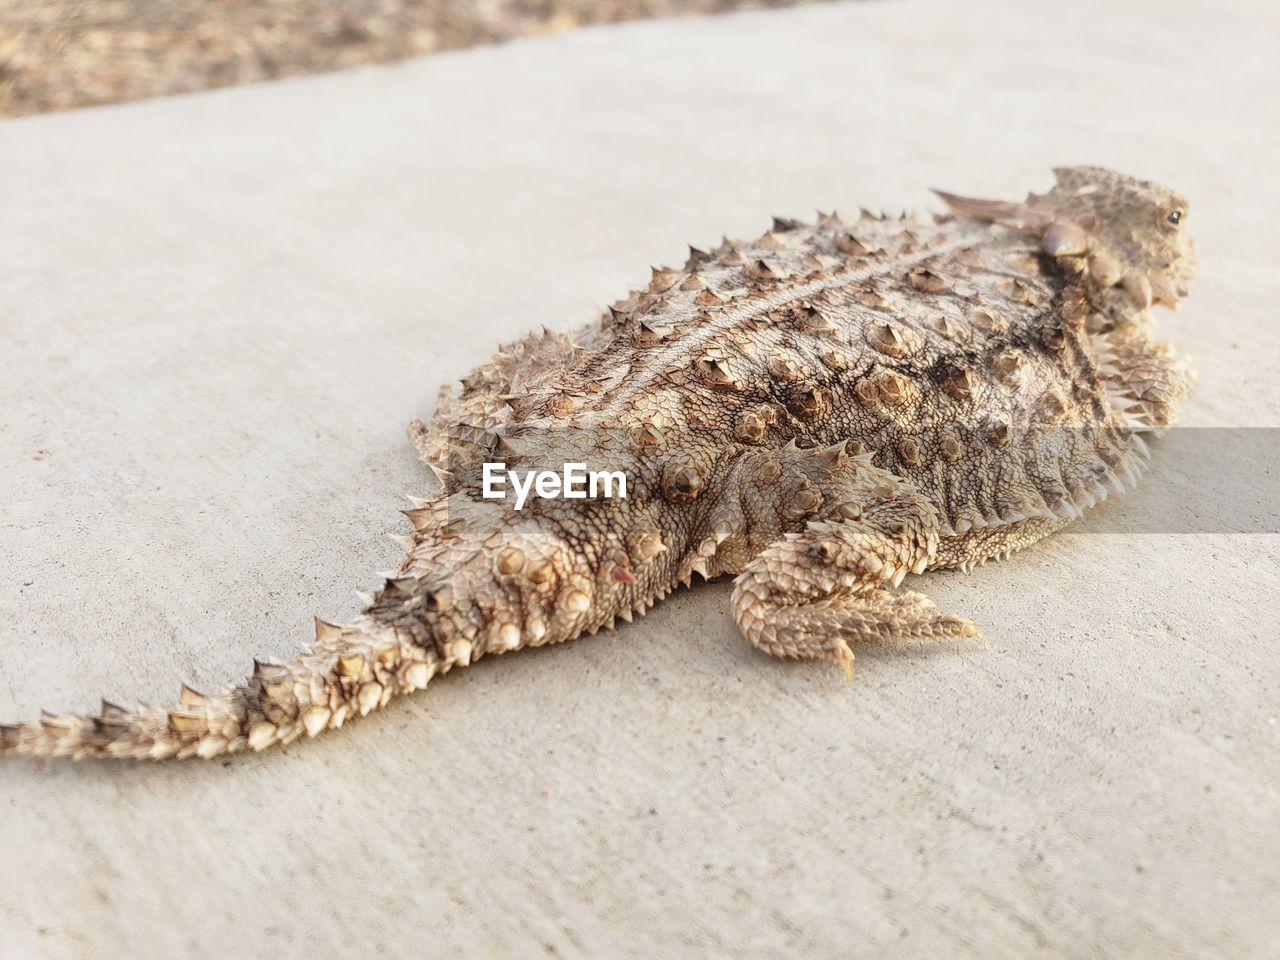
{"x": 844, "y": 657}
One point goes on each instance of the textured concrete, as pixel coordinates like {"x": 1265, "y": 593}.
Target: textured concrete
{"x": 217, "y": 313}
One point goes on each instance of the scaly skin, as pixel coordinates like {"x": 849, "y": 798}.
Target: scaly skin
{"x": 819, "y": 411}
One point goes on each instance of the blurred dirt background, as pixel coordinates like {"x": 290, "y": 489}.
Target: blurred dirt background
{"x": 60, "y": 54}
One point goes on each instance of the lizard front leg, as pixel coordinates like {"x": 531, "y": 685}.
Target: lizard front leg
{"x": 811, "y": 595}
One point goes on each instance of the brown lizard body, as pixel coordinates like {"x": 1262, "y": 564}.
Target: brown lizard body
{"x": 819, "y": 411}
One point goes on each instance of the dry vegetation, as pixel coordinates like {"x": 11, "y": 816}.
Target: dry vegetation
{"x": 59, "y": 54}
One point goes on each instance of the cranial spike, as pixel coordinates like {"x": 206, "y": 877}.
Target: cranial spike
{"x": 699, "y": 566}
{"x": 1139, "y": 288}
{"x": 188, "y": 697}
{"x": 365, "y": 597}
{"x": 1104, "y": 270}
{"x": 1016, "y": 215}
{"x": 400, "y": 540}
{"x": 1064, "y": 239}
{"x": 417, "y": 502}
{"x": 1162, "y": 290}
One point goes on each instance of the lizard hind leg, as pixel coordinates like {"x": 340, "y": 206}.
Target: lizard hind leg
{"x": 813, "y": 594}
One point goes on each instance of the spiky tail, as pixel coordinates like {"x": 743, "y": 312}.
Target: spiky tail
{"x": 351, "y": 670}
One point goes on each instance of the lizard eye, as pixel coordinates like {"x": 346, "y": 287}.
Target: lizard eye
{"x": 1174, "y": 217}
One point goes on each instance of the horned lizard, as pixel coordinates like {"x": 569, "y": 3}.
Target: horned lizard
{"x": 819, "y": 411}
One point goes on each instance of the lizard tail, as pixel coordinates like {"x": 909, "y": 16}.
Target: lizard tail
{"x": 350, "y": 670}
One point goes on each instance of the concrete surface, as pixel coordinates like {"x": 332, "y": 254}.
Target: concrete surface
{"x": 217, "y": 313}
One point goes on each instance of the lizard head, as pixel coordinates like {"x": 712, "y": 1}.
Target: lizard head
{"x": 1121, "y": 233}
{"x": 1127, "y": 237}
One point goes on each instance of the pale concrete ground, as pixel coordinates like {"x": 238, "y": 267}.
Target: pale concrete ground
{"x": 216, "y": 315}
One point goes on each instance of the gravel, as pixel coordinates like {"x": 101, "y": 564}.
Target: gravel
{"x": 62, "y": 54}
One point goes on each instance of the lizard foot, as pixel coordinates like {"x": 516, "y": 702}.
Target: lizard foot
{"x": 811, "y": 595}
